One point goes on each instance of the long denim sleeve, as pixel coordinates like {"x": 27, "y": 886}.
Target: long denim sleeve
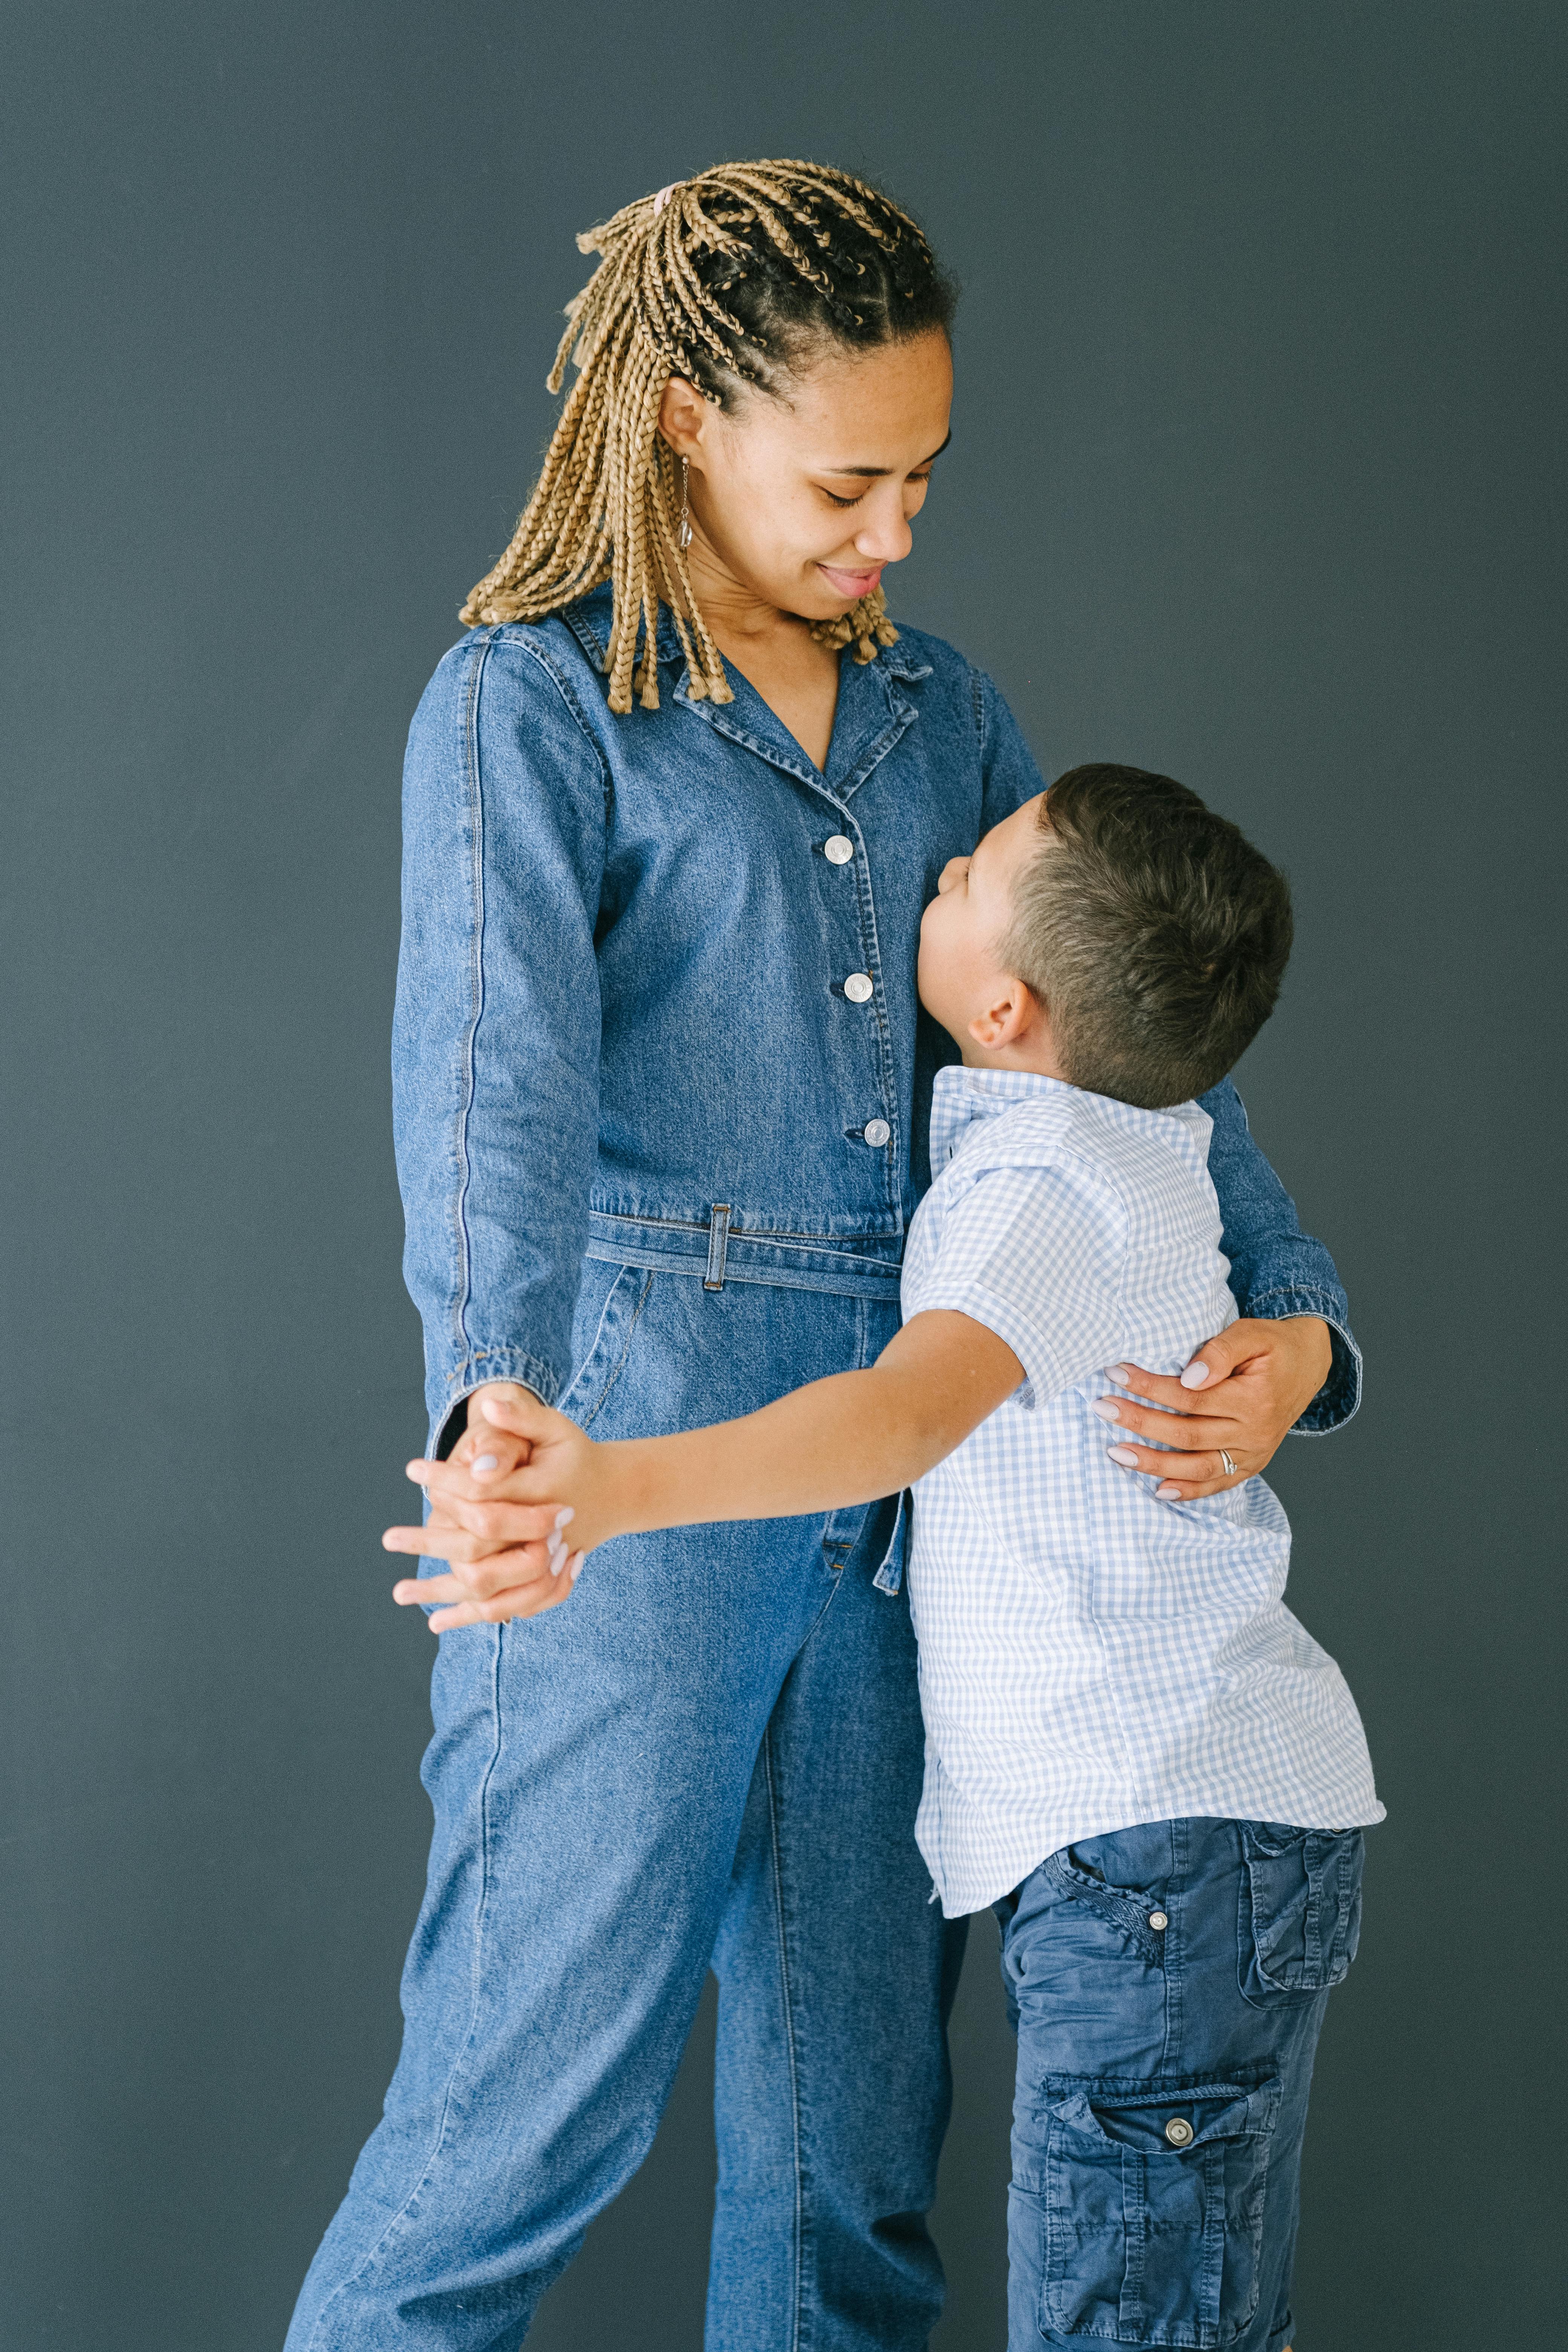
{"x": 496, "y": 1040}
{"x": 1276, "y": 1269}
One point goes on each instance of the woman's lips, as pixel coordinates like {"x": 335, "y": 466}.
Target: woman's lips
{"x": 850, "y": 584}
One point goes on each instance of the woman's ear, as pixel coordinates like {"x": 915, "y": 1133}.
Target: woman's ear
{"x": 683, "y": 417}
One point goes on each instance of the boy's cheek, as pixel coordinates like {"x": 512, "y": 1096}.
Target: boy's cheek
{"x": 924, "y": 963}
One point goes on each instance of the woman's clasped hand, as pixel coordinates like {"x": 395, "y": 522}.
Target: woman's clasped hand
{"x": 498, "y": 1518}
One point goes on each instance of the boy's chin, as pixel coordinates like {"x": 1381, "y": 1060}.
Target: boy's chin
{"x": 958, "y": 1037}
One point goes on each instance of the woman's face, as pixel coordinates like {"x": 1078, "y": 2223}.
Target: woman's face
{"x": 801, "y": 501}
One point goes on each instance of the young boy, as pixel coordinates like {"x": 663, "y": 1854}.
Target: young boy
{"x": 1134, "y": 1752}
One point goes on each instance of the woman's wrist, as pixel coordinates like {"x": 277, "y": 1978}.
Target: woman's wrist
{"x": 632, "y": 1485}
{"x": 1315, "y": 1349}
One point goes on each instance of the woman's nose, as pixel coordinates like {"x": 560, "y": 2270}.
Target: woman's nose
{"x": 884, "y": 538}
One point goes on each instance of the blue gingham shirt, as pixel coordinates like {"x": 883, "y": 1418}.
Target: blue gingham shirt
{"x": 1090, "y": 1658}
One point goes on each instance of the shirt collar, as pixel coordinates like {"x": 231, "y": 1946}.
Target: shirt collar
{"x": 962, "y": 1096}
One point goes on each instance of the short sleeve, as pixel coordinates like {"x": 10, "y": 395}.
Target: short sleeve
{"x": 1037, "y": 1254}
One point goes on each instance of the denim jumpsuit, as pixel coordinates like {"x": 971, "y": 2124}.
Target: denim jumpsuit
{"x": 661, "y": 1088}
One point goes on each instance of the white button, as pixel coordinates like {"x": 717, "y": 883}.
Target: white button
{"x": 1178, "y": 2131}
{"x": 838, "y": 851}
{"x": 1158, "y": 1919}
{"x": 877, "y": 1132}
{"x": 858, "y": 987}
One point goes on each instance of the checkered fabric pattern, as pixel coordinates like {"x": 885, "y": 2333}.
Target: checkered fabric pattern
{"x": 1091, "y": 1657}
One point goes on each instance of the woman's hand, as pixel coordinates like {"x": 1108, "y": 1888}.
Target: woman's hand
{"x": 498, "y": 1514}
{"x": 1241, "y": 1393}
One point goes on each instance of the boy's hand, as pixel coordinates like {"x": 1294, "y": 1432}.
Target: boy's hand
{"x": 500, "y": 1508}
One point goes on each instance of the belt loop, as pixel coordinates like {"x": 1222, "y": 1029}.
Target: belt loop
{"x": 718, "y": 1244}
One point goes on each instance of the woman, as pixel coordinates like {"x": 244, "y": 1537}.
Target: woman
{"x": 682, "y": 768}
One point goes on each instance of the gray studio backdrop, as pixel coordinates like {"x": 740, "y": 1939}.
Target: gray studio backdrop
{"x": 1252, "y": 481}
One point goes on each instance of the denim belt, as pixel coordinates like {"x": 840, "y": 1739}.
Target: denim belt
{"x": 718, "y": 1252}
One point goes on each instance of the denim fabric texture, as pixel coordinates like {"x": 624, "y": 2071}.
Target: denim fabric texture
{"x": 712, "y": 1756}
{"x": 1168, "y": 1984}
{"x": 622, "y": 997}
{"x": 633, "y": 1057}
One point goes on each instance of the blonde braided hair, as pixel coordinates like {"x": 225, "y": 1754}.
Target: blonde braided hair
{"x": 787, "y": 243}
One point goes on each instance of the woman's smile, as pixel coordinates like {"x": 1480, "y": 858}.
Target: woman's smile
{"x": 850, "y": 584}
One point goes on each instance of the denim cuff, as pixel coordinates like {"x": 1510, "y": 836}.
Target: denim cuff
{"x": 1339, "y": 1395}
{"x": 477, "y": 1371}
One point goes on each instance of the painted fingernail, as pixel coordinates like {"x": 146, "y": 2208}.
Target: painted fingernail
{"x": 564, "y": 1518}
{"x": 1105, "y": 1409}
{"x": 1124, "y": 1454}
{"x": 1120, "y": 1374}
{"x": 556, "y": 1552}
{"x": 1167, "y": 1492}
{"x": 577, "y": 1565}
{"x": 1196, "y": 1374}
{"x": 486, "y": 1462}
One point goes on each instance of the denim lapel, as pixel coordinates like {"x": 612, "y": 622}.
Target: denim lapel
{"x": 872, "y": 712}
{"x": 872, "y": 715}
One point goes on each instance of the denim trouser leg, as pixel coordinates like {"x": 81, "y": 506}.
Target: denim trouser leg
{"x": 834, "y": 1967}
{"x": 716, "y": 1742}
{"x": 1168, "y": 1983}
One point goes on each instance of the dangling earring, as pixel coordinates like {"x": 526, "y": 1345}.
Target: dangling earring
{"x": 684, "y": 534}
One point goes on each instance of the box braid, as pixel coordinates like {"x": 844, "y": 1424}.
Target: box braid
{"x": 732, "y": 279}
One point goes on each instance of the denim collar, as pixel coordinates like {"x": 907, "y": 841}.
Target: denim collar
{"x": 871, "y": 716}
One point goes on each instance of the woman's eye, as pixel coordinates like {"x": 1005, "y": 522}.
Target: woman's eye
{"x": 844, "y": 502}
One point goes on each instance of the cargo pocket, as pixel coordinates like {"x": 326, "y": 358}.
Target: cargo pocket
{"x": 1130, "y": 1908}
{"x": 1301, "y": 1908}
{"x": 1152, "y": 2204}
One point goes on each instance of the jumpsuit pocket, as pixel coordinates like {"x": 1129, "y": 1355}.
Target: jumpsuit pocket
{"x": 625, "y": 1296}
{"x": 1151, "y": 2197}
{"x": 1301, "y": 1908}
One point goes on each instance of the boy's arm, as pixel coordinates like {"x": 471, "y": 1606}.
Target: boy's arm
{"x": 836, "y": 1443}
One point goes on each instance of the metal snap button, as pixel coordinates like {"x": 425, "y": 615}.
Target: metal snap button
{"x": 877, "y": 1132}
{"x": 1178, "y": 2131}
{"x": 1158, "y": 1919}
{"x": 840, "y": 850}
{"x": 858, "y": 987}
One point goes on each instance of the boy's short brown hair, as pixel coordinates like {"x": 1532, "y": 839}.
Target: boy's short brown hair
{"x": 1152, "y": 930}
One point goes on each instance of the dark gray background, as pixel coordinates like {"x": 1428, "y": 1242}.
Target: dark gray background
{"x": 1255, "y": 478}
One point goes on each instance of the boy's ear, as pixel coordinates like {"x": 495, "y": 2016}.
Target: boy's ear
{"x": 1012, "y": 1013}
